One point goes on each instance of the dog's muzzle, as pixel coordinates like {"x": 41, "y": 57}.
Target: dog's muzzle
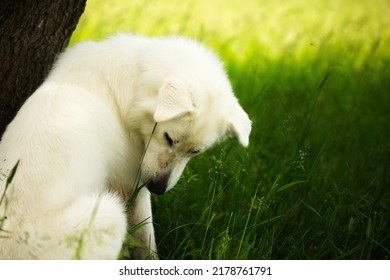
{"x": 158, "y": 186}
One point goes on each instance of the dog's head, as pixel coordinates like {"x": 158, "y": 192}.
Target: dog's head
{"x": 190, "y": 119}
{"x": 185, "y": 90}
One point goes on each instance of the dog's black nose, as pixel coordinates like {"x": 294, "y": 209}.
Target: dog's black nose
{"x": 158, "y": 186}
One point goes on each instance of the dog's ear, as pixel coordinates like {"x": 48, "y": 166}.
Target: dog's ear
{"x": 239, "y": 124}
{"x": 174, "y": 100}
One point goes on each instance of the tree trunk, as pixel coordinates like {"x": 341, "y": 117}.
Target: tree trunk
{"x": 33, "y": 32}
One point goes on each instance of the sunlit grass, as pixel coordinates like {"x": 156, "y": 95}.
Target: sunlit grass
{"x": 314, "y": 77}
{"x": 297, "y": 29}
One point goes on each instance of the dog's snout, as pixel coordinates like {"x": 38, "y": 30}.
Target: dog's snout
{"x": 158, "y": 186}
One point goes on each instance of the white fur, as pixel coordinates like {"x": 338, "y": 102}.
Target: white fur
{"x": 81, "y": 137}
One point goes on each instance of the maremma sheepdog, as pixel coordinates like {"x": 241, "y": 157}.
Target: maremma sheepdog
{"x": 112, "y": 120}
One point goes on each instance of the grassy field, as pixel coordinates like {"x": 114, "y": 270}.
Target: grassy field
{"x": 314, "y": 77}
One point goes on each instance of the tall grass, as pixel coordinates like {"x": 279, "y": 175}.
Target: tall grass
{"x": 314, "y": 77}
{"x": 3, "y": 201}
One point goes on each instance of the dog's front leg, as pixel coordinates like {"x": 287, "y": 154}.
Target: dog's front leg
{"x": 141, "y": 227}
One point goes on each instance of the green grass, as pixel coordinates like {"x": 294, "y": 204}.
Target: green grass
{"x": 314, "y": 77}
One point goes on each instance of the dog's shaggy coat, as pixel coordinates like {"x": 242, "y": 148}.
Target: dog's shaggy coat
{"x": 80, "y": 141}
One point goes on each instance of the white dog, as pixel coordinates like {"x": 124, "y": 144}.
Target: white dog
{"x": 80, "y": 141}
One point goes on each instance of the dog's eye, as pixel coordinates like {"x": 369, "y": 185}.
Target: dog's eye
{"x": 169, "y": 139}
{"x": 194, "y": 152}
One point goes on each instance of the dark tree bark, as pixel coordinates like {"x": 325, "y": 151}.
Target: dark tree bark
{"x": 32, "y": 33}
